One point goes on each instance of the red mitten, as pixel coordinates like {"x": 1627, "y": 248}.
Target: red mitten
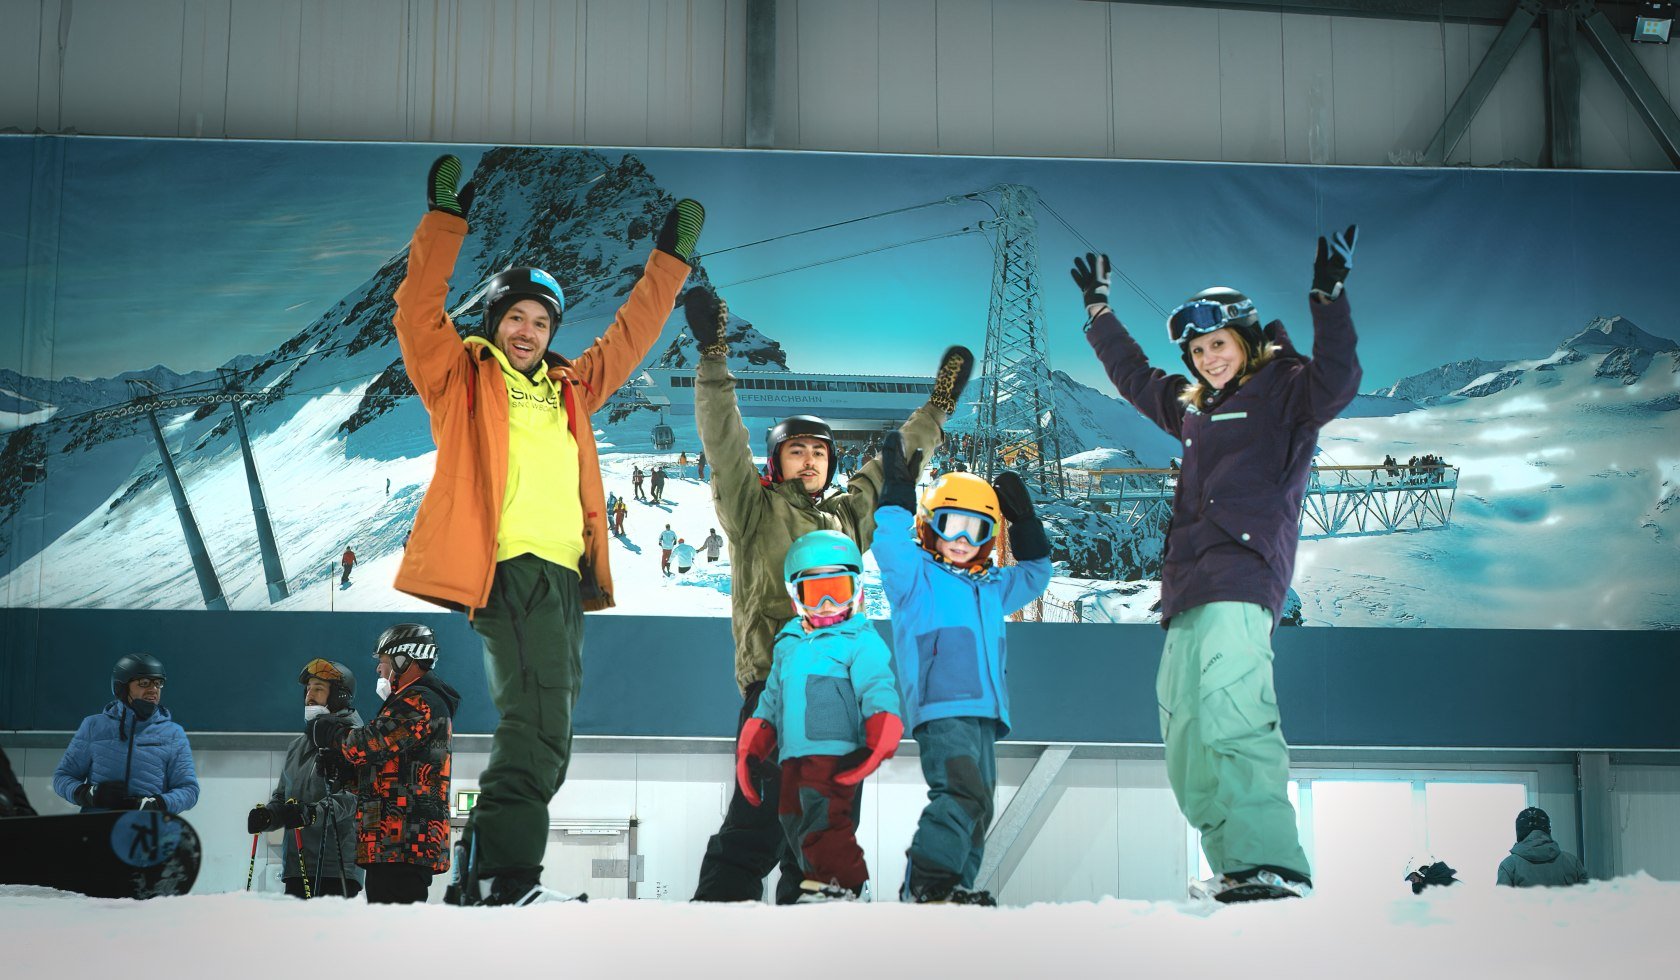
{"x": 757, "y": 741}
{"x": 881, "y": 732}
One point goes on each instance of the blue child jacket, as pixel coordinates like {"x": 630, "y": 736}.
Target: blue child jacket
{"x": 823, "y": 684}
{"x": 948, "y": 638}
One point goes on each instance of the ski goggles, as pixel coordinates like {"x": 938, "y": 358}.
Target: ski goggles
{"x": 322, "y": 669}
{"x": 837, "y": 588}
{"x": 1201, "y": 316}
{"x": 950, "y": 524}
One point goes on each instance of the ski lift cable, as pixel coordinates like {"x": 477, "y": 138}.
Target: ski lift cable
{"x": 1121, "y": 273}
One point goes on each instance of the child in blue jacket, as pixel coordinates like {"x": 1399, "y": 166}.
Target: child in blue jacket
{"x": 948, "y": 607}
{"x": 830, "y": 698}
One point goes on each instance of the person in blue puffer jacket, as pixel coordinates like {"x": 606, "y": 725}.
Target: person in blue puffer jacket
{"x": 831, "y": 698}
{"x": 948, "y": 607}
{"x": 132, "y": 755}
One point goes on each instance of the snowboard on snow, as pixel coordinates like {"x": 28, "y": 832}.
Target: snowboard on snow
{"x": 114, "y": 854}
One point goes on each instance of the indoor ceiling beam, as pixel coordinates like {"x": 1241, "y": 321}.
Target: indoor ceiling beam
{"x": 1563, "y": 89}
{"x": 1481, "y": 83}
{"x": 1647, "y": 99}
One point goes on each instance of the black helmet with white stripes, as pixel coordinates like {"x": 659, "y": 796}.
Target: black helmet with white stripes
{"x": 408, "y": 643}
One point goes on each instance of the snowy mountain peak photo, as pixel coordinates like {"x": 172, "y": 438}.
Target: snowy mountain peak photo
{"x": 1610, "y": 332}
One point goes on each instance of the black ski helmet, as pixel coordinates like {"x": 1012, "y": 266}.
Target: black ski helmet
{"x": 408, "y": 643}
{"x": 793, "y": 427}
{"x": 1246, "y": 327}
{"x": 522, "y": 282}
{"x": 1530, "y": 820}
{"x": 341, "y": 683}
{"x": 132, "y": 665}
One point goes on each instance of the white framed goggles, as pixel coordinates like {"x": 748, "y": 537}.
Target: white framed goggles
{"x": 952, "y": 524}
{"x": 1201, "y": 316}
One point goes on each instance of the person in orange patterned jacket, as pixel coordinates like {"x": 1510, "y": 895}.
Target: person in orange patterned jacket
{"x": 399, "y": 763}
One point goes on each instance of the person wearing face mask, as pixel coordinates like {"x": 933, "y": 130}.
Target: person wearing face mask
{"x": 399, "y": 766}
{"x": 132, "y": 755}
{"x": 762, "y": 514}
{"x": 302, "y": 799}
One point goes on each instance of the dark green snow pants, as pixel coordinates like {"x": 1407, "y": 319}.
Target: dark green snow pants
{"x": 533, "y": 660}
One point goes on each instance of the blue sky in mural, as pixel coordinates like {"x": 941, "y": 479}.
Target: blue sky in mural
{"x": 190, "y": 253}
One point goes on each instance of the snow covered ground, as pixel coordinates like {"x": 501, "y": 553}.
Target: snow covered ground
{"x": 1617, "y": 928}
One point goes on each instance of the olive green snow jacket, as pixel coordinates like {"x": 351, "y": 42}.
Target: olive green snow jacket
{"x": 761, "y": 519}
{"x": 1537, "y": 860}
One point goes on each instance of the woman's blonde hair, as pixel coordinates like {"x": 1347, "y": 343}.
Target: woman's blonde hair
{"x": 1197, "y": 393}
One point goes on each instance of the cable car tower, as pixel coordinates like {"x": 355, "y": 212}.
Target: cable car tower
{"x": 1017, "y": 407}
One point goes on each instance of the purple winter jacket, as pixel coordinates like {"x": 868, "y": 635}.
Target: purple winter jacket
{"x": 1236, "y": 516}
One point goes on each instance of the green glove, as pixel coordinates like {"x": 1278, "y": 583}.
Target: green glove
{"x": 682, "y": 229}
{"x": 441, "y": 194}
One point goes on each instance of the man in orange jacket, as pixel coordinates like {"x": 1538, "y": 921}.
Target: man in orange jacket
{"x": 513, "y": 527}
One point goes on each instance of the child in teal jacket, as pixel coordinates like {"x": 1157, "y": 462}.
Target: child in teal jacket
{"x": 831, "y": 700}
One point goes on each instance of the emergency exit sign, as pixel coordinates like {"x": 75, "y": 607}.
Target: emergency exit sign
{"x": 465, "y": 800}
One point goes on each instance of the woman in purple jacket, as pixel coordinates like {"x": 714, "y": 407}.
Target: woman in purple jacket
{"x": 1249, "y": 417}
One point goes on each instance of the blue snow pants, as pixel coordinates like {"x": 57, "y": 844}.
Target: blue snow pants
{"x": 959, "y": 762}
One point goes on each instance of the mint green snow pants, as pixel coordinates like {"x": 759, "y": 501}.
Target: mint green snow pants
{"x": 1226, "y": 758}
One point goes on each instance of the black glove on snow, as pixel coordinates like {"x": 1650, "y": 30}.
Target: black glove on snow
{"x": 260, "y": 818}
{"x": 1334, "y": 262}
{"x": 325, "y": 731}
{"x": 955, "y": 365}
{"x": 898, "y": 475}
{"x": 706, "y": 313}
{"x": 1027, "y": 539}
{"x": 682, "y": 229}
{"x": 105, "y": 796}
{"x": 1090, "y": 274}
{"x": 441, "y": 194}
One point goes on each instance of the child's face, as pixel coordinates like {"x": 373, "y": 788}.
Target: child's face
{"x": 958, "y": 552}
{"x": 1219, "y": 356}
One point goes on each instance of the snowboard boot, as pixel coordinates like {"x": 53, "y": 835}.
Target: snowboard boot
{"x": 463, "y": 880}
{"x": 928, "y": 885}
{"x": 814, "y": 892}
{"x": 1261, "y": 884}
{"x": 972, "y": 896}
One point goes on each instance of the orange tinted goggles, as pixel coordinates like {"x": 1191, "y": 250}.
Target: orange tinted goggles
{"x": 323, "y": 669}
{"x": 839, "y": 588}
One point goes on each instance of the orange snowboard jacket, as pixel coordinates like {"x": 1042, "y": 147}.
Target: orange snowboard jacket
{"x": 451, "y": 554}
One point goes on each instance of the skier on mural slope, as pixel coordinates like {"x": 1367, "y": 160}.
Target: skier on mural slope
{"x": 762, "y": 515}
{"x": 1249, "y": 418}
{"x": 513, "y": 527}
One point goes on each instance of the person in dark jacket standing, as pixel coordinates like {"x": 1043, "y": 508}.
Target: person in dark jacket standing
{"x": 348, "y": 561}
{"x": 399, "y": 765}
{"x": 324, "y": 819}
{"x": 13, "y": 802}
{"x": 1249, "y": 418}
{"x": 1536, "y": 859}
{"x": 132, "y": 755}
{"x": 762, "y": 513}
{"x": 513, "y": 528}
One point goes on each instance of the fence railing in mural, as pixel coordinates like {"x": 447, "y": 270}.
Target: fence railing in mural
{"x": 1340, "y": 501}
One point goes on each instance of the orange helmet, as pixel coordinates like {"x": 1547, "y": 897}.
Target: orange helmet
{"x": 969, "y": 494}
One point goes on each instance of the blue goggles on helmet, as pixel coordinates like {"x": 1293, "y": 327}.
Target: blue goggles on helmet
{"x": 952, "y": 524}
{"x": 1200, "y": 316}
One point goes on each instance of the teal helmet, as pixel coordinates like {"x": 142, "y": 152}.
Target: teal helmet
{"x": 821, "y": 549}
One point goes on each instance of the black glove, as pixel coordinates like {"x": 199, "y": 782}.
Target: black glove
{"x": 955, "y": 365}
{"x": 295, "y": 814}
{"x": 143, "y": 803}
{"x": 333, "y": 767}
{"x": 682, "y": 229}
{"x": 898, "y": 475}
{"x": 441, "y": 194}
{"x": 325, "y": 731}
{"x": 104, "y": 796}
{"x": 260, "y": 818}
{"x": 707, "y": 313}
{"x": 1027, "y": 539}
{"x": 1090, "y": 274}
{"x": 1334, "y": 262}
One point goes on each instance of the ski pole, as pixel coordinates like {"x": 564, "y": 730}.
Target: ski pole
{"x": 252, "y": 867}
{"x": 297, "y": 836}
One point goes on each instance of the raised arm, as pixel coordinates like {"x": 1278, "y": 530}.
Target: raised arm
{"x": 1332, "y": 377}
{"x": 736, "y": 489}
{"x": 921, "y": 433}
{"x": 1151, "y": 391}
{"x": 431, "y": 347}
